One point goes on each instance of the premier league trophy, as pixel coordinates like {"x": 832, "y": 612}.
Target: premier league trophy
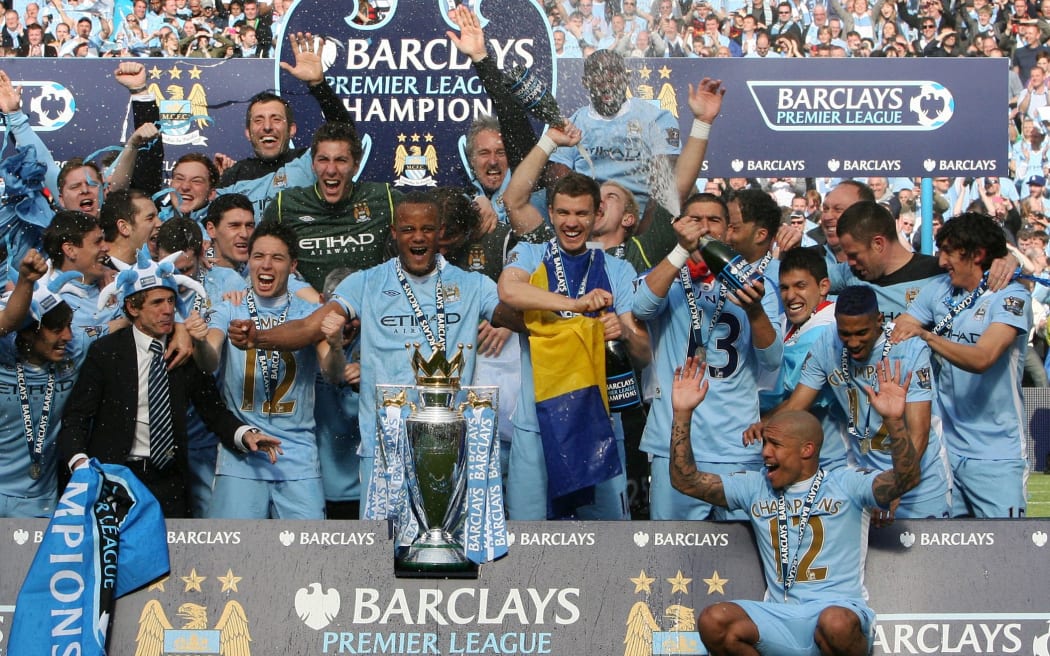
{"x": 437, "y": 471}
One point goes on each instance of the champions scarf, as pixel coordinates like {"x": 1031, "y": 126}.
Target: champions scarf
{"x": 568, "y": 373}
{"x": 107, "y": 538}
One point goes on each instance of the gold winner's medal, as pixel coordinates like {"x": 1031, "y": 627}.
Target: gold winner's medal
{"x": 35, "y": 471}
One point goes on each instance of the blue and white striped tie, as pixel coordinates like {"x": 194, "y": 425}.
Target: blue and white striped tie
{"x": 161, "y": 435}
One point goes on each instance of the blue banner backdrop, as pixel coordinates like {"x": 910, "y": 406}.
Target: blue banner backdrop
{"x": 79, "y": 108}
{"x": 411, "y": 93}
{"x": 414, "y": 96}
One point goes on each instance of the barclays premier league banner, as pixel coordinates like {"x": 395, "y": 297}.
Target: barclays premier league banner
{"x": 413, "y": 97}
{"x": 834, "y": 117}
{"x": 240, "y": 588}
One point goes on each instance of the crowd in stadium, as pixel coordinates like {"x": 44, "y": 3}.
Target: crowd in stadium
{"x": 165, "y": 28}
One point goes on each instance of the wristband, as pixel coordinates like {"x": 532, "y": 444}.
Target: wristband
{"x": 700, "y": 129}
{"x": 547, "y": 145}
{"x": 678, "y": 256}
{"x": 138, "y": 90}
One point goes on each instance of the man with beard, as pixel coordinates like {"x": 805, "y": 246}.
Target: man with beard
{"x": 688, "y": 310}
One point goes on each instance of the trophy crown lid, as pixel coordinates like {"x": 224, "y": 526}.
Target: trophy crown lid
{"x": 438, "y": 370}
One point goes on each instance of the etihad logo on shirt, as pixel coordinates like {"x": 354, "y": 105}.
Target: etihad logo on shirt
{"x": 399, "y": 321}
{"x": 852, "y": 105}
{"x": 337, "y": 242}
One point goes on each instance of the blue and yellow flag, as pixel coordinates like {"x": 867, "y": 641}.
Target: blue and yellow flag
{"x": 568, "y": 372}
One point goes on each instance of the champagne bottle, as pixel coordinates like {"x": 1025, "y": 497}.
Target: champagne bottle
{"x": 620, "y": 381}
{"x": 728, "y": 265}
{"x": 532, "y": 94}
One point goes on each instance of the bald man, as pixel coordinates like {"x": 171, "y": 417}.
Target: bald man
{"x": 819, "y": 516}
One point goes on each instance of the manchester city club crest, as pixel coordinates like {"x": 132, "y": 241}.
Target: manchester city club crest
{"x": 476, "y": 258}
{"x": 362, "y": 213}
{"x": 645, "y": 89}
{"x": 451, "y": 291}
{"x": 673, "y": 630}
{"x": 183, "y": 106}
{"x": 199, "y": 633}
{"x": 415, "y": 165}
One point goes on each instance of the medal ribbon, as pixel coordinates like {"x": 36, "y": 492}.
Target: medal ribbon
{"x": 945, "y": 324}
{"x": 496, "y": 519}
{"x": 790, "y": 573}
{"x": 387, "y": 475}
{"x": 436, "y": 343}
{"x": 554, "y": 251}
{"x": 35, "y": 444}
{"x": 696, "y": 313}
{"x": 476, "y": 536}
{"x": 269, "y": 361}
{"x": 847, "y": 378}
{"x": 198, "y": 299}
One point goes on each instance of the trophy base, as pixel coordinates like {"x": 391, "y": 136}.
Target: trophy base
{"x": 434, "y": 556}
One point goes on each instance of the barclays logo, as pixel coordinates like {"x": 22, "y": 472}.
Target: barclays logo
{"x": 852, "y": 105}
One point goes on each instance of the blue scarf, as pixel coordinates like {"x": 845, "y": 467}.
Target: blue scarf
{"x": 106, "y": 539}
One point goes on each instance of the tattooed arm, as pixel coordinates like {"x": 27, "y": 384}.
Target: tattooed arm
{"x": 688, "y": 391}
{"x": 891, "y": 402}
